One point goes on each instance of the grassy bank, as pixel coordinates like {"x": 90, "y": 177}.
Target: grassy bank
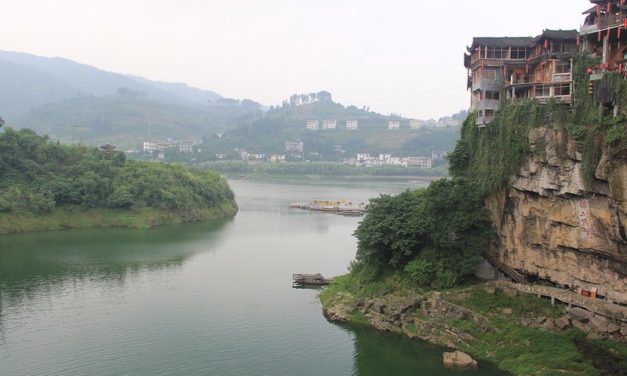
{"x": 489, "y": 325}
{"x": 76, "y": 218}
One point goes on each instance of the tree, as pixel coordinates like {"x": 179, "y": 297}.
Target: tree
{"x": 1, "y": 122}
{"x": 435, "y": 235}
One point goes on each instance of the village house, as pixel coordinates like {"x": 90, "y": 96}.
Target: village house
{"x": 329, "y": 124}
{"x": 362, "y": 157}
{"x": 352, "y": 124}
{"x": 277, "y": 158}
{"x": 423, "y": 162}
{"x": 182, "y": 146}
{"x": 312, "y": 125}
{"x": 294, "y": 146}
{"x": 394, "y": 125}
{"x": 415, "y": 124}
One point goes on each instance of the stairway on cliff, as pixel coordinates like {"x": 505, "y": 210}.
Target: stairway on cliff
{"x": 510, "y": 272}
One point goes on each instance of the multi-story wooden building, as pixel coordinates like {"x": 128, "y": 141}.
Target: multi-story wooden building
{"x": 488, "y": 61}
{"x": 603, "y": 34}
{"x": 548, "y": 69}
{"x": 519, "y": 67}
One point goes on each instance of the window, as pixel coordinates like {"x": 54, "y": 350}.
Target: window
{"x": 497, "y": 53}
{"x": 489, "y": 74}
{"x": 495, "y": 95}
{"x": 489, "y": 113}
{"x": 542, "y": 91}
{"x": 563, "y": 89}
{"x": 519, "y": 53}
{"x": 562, "y": 67}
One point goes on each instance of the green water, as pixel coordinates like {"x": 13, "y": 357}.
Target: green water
{"x": 196, "y": 299}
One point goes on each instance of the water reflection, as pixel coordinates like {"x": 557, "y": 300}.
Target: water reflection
{"x": 378, "y": 353}
{"x": 193, "y": 299}
{"x": 34, "y": 263}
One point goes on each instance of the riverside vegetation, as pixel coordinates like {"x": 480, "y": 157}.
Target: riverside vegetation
{"x": 47, "y": 186}
{"x": 417, "y": 251}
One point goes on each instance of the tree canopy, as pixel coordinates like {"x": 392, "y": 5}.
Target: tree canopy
{"x": 436, "y": 235}
{"x": 38, "y": 175}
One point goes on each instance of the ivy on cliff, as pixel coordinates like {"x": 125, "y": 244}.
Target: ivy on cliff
{"x": 490, "y": 156}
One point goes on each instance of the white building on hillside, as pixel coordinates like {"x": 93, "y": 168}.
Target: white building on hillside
{"x": 352, "y": 124}
{"x": 312, "y": 125}
{"x": 419, "y": 161}
{"x": 329, "y": 124}
{"x": 416, "y": 124}
{"x": 394, "y": 125}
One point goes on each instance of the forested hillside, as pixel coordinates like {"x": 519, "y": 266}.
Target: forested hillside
{"x": 268, "y": 132}
{"x": 126, "y": 121}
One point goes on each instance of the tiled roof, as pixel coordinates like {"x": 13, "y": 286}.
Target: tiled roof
{"x": 502, "y": 41}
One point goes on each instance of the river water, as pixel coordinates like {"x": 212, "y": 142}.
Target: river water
{"x": 197, "y": 299}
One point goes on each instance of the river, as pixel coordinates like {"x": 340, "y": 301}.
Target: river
{"x": 197, "y": 299}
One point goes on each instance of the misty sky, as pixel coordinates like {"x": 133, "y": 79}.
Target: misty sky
{"x": 393, "y": 56}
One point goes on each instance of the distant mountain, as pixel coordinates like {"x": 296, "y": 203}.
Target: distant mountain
{"x": 126, "y": 121}
{"x": 28, "y": 81}
{"x": 183, "y": 90}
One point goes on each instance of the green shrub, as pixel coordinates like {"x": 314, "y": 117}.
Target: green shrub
{"x": 421, "y": 271}
{"x": 443, "y": 228}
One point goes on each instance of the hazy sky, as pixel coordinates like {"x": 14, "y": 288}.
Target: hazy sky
{"x": 393, "y": 56}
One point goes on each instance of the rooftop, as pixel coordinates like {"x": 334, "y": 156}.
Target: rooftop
{"x": 558, "y": 34}
{"x": 501, "y": 42}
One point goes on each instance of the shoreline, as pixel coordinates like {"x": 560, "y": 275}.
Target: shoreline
{"x": 77, "y": 218}
{"x": 322, "y": 177}
{"x": 519, "y": 333}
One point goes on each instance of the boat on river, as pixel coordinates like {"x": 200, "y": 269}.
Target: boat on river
{"x": 304, "y": 280}
{"x": 342, "y": 207}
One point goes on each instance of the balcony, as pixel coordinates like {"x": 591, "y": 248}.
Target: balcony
{"x": 522, "y": 80}
{"x": 557, "y": 98}
{"x": 562, "y": 77}
{"x": 603, "y": 22}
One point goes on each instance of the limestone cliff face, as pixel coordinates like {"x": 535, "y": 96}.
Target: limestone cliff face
{"x": 549, "y": 226}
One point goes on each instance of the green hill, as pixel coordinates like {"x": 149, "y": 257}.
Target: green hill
{"x": 125, "y": 121}
{"x": 268, "y": 133}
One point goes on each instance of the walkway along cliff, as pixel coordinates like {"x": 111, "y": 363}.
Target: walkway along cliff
{"x": 551, "y": 226}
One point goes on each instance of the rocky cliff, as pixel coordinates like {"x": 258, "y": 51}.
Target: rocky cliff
{"x": 551, "y": 226}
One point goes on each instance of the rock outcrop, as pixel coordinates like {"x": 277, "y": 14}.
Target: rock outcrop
{"x": 458, "y": 359}
{"x": 551, "y": 226}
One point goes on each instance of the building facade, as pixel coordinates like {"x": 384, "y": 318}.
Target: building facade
{"x": 329, "y": 124}
{"x": 312, "y": 125}
{"x": 509, "y": 68}
{"x": 352, "y": 124}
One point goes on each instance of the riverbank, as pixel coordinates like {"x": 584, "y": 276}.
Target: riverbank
{"x": 78, "y": 218}
{"x": 522, "y": 334}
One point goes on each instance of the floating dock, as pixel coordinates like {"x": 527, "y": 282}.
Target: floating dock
{"x": 303, "y": 280}
{"x": 342, "y": 207}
